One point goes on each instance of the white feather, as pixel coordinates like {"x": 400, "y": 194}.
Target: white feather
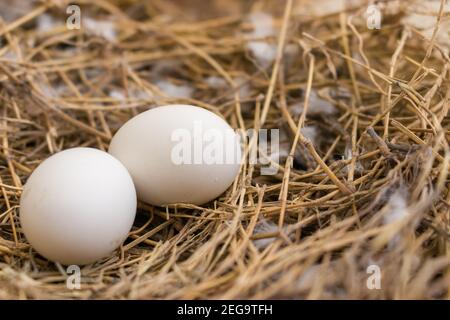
{"x": 264, "y": 226}
{"x": 173, "y": 90}
{"x": 117, "y": 95}
{"x": 311, "y": 133}
{"x": 101, "y": 28}
{"x": 263, "y": 51}
{"x": 397, "y": 208}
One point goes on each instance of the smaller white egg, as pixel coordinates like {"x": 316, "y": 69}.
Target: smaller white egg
{"x": 78, "y": 206}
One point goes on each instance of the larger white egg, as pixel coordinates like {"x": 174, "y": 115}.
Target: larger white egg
{"x": 78, "y": 206}
{"x": 178, "y": 154}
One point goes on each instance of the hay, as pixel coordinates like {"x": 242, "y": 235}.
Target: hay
{"x": 369, "y": 187}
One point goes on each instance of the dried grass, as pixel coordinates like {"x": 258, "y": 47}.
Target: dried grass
{"x": 371, "y": 189}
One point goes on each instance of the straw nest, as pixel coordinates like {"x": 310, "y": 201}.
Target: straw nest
{"x": 362, "y": 181}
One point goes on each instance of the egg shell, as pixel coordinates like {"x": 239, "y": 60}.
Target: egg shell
{"x": 146, "y": 144}
{"x": 78, "y": 206}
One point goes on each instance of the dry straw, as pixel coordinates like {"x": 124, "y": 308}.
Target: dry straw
{"x": 363, "y": 177}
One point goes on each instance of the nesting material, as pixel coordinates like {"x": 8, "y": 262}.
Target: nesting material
{"x": 376, "y": 124}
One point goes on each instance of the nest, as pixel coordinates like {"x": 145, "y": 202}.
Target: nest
{"x": 362, "y": 182}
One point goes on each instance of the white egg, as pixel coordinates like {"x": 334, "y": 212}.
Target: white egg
{"x": 178, "y": 154}
{"x": 78, "y": 206}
